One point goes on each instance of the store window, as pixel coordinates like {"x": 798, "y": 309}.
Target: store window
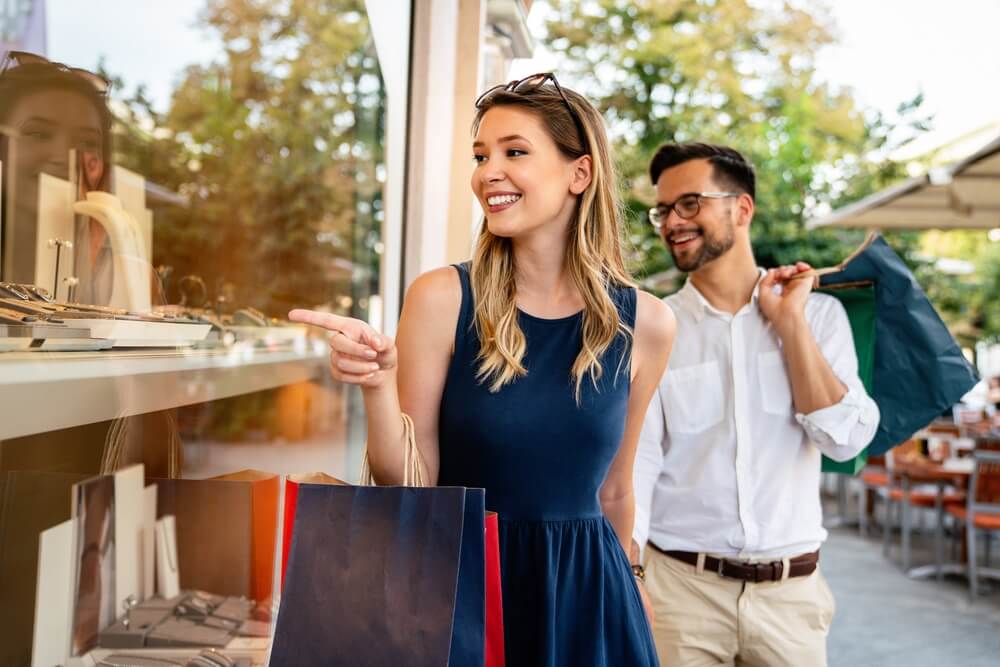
{"x": 174, "y": 178}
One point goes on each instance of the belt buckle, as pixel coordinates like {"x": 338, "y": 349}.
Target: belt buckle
{"x": 759, "y": 567}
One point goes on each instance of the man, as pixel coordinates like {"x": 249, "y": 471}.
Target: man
{"x": 762, "y": 380}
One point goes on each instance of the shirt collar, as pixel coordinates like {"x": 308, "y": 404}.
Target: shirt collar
{"x": 699, "y": 305}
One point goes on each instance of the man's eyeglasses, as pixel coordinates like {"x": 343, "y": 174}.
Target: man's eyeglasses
{"x": 14, "y": 59}
{"x": 686, "y": 207}
{"x": 530, "y": 83}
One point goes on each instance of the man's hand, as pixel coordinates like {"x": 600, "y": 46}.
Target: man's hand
{"x": 647, "y": 604}
{"x": 633, "y": 556}
{"x": 785, "y": 310}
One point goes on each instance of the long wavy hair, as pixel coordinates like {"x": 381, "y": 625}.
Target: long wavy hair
{"x": 594, "y": 251}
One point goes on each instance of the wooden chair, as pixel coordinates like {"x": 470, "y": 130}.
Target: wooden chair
{"x": 981, "y": 512}
{"x": 874, "y": 480}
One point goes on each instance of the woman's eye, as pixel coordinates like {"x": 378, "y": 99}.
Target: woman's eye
{"x": 479, "y": 159}
{"x": 516, "y": 152}
{"x": 38, "y": 135}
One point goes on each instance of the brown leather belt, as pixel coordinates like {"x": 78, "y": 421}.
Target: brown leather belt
{"x": 800, "y": 566}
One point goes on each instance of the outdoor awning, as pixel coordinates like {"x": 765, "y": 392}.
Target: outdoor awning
{"x": 965, "y": 195}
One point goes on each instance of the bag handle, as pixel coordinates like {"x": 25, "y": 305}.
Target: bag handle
{"x": 413, "y": 470}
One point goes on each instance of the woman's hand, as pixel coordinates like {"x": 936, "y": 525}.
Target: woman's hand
{"x": 358, "y": 354}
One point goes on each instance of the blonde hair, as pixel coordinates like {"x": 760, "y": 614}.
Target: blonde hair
{"x": 595, "y": 257}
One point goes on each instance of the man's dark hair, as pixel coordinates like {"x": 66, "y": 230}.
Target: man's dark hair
{"x": 729, "y": 167}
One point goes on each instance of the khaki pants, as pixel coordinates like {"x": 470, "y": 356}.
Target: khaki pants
{"x": 704, "y": 619}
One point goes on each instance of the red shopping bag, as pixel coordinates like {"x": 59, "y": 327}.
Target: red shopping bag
{"x": 494, "y": 598}
{"x": 288, "y": 516}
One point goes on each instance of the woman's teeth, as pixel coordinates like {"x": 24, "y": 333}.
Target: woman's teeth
{"x": 499, "y": 200}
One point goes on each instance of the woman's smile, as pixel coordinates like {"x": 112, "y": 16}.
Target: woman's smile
{"x": 501, "y": 201}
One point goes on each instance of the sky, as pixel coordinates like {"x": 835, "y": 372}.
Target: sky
{"x": 888, "y": 50}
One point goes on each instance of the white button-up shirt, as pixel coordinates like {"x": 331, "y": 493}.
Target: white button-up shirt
{"x": 725, "y": 465}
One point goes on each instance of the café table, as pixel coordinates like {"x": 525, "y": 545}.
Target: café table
{"x": 953, "y": 472}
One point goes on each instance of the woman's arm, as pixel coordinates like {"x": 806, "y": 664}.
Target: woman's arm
{"x": 654, "y": 335}
{"x": 426, "y": 341}
{"x": 410, "y": 379}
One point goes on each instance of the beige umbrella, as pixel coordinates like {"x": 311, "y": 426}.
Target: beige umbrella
{"x": 965, "y": 195}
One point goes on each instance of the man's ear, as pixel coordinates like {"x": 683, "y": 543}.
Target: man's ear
{"x": 582, "y": 174}
{"x": 744, "y": 210}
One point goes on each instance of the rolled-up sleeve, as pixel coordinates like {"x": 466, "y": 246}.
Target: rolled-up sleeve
{"x": 841, "y": 431}
{"x": 648, "y": 464}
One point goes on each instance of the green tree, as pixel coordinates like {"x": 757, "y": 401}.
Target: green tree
{"x": 728, "y": 71}
{"x": 967, "y": 301}
{"x": 277, "y": 147}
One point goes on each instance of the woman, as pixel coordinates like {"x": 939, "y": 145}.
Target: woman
{"x": 528, "y": 372}
{"x": 48, "y": 109}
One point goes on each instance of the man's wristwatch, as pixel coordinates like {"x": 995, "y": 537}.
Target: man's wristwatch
{"x": 640, "y": 572}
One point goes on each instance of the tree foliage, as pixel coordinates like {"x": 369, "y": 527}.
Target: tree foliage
{"x": 277, "y": 146}
{"x": 731, "y": 72}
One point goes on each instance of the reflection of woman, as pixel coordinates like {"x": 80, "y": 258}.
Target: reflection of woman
{"x": 47, "y": 110}
{"x": 527, "y": 372}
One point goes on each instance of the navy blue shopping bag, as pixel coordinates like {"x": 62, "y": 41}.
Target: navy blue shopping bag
{"x": 374, "y": 578}
{"x": 920, "y": 370}
{"x": 468, "y": 641}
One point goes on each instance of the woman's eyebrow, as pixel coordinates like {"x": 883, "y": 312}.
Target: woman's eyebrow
{"x": 38, "y": 119}
{"x": 503, "y": 140}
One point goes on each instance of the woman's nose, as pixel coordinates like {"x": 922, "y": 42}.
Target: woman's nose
{"x": 492, "y": 174}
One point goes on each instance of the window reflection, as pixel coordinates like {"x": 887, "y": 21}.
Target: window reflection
{"x": 255, "y": 186}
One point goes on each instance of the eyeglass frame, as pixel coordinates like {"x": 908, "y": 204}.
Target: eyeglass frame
{"x": 658, "y": 210}
{"x": 541, "y": 78}
{"x": 14, "y": 59}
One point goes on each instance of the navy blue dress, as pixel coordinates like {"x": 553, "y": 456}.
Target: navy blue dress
{"x": 569, "y": 598}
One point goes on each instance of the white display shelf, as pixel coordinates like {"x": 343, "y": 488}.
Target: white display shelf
{"x": 45, "y": 391}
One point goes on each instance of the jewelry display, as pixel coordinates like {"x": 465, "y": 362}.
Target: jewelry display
{"x": 71, "y": 283}
{"x": 186, "y": 620}
{"x": 194, "y": 292}
{"x": 112, "y": 327}
{"x": 127, "y": 604}
{"x": 131, "y": 286}
{"x": 25, "y": 326}
{"x": 58, "y": 244}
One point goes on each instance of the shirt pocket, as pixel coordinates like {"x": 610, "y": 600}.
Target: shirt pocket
{"x": 693, "y": 399}
{"x": 775, "y": 388}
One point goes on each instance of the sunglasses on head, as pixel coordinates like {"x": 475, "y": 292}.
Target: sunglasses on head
{"x": 34, "y": 62}
{"x": 529, "y": 84}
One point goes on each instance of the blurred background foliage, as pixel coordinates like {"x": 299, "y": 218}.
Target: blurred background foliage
{"x": 277, "y": 147}
{"x": 737, "y": 73}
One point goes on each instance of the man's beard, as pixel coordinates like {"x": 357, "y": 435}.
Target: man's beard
{"x": 711, "y": 248}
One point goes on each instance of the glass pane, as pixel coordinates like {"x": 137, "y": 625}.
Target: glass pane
{"x": 169, "y": 191}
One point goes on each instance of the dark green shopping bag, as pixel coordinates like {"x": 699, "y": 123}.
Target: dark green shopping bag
{"x": 858, "y": 300}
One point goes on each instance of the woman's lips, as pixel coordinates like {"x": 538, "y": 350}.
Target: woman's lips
{"x": 501, "y": 202}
